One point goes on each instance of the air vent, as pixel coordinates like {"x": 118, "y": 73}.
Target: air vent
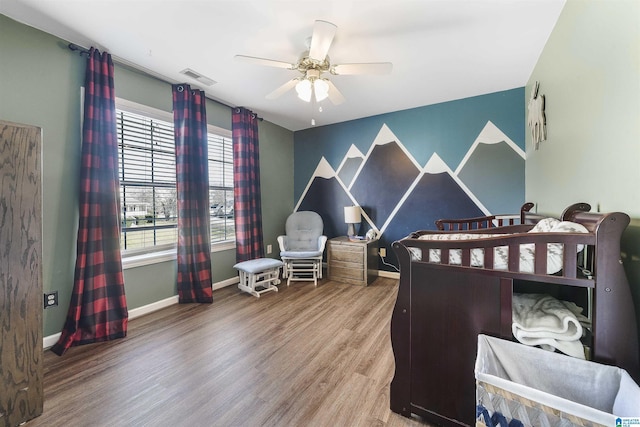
{"x": 197, "y": 76}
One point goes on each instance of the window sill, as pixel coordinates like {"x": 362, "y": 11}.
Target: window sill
{"x": 141, "y": 260}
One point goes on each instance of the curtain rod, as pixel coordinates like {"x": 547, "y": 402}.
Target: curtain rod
{"x": 130, "y": 65}
{"x": 81, "y": 50}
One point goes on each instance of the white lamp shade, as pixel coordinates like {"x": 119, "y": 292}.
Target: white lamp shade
{"x": 306, "y": 88}
{"x": 303, "y": 87}
{"x": 352, "y": 214}
{"x": 321, "y": 89}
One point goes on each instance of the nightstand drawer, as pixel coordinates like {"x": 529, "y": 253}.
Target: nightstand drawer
{"x": 347, "y": 254}
{"x": 346, "y": 271}
{"x": 353, "y": 262}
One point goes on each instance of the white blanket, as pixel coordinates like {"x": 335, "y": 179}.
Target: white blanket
{"x": 540, "y": 319}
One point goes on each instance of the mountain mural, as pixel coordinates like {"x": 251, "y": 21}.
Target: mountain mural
{"x": 437, "y": 194}
{"x": 350, "y": 165}
{"x": 398, "y": 196}
{"x": 498, "y": 192}
{"x": 385, "y": 176}
{"x": 328, "y": 197}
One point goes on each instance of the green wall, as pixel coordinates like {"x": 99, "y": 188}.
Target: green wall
{"x": 589, "y": 73}
{"x": 40, "y": 82}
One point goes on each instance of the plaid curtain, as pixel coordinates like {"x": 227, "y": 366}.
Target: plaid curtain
{"x": 98, "y": 307}
{"x": 246, "y": 183}
{"x": 192, "y": 176}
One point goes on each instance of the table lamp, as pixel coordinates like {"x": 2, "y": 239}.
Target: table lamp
{"x": 352, "y": 216}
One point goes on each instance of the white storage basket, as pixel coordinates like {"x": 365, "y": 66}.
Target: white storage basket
{"x": 541, "y": 388}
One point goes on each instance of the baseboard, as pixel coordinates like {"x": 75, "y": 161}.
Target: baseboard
{"x": 49, "y": 341}
{"x": 225, "y": 283}
{"x": 154, "y": 306}
{"x": 389, "y": 274}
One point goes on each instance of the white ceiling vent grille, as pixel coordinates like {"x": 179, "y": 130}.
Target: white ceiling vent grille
{"x": 197, "y": 76}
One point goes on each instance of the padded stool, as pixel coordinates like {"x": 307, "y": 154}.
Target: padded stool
{"x": 260, "y": 272}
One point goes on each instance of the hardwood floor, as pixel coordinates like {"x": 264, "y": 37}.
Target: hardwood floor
{"x": 304, "y": 356}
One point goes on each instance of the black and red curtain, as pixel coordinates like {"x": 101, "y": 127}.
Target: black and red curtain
{"x": 192, "y": 177}
{"x": 246, "y": 185}
{"x": 98, "y": 307}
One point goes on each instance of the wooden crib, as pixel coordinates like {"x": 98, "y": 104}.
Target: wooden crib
{"x": 442, "y": 307}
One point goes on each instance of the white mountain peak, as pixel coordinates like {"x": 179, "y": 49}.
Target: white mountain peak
{"x": 437, "y": 165}
{"x": 354, "y": 152}
{"x": 324, "y": 169}
{"x": 384, "y": 136}
{"x": 490, "y": 134}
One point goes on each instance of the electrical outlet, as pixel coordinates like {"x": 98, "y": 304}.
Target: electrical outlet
{"x": 269, "y": 249}
{"x": 51, "y": 299}
{"x": 383, "y": 252}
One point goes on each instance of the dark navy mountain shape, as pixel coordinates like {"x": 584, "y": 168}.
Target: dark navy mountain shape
{"x": 327, "y": 197}
{"x": 434, "y": 197}
{"x": 383, "y": 180}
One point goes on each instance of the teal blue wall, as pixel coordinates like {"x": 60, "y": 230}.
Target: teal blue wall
{"x": 589, "y": 74}
{"x": 459, "y": 159}
{"x": 40, "y": 81}
{"x": 448, "y": 128}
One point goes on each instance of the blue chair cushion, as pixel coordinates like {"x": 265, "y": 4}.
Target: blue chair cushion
{"x": 300, "y": 254}
{"x": 303, "y": 228}
{"x": 258, "y": 265}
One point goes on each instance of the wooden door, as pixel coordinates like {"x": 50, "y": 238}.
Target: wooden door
{"x": 21, "y": 297}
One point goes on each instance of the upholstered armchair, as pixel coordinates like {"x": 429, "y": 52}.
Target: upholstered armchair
{"x": 302, "y": 246}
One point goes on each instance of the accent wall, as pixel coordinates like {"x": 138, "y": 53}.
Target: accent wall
{"x": 406, "y": 169}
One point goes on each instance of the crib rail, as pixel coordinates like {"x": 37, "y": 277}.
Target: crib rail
{"x": 489, "y": 221}
{"x": 577, "y": 273}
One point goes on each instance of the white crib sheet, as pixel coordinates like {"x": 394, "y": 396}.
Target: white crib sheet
{"x": 501, "y": 253}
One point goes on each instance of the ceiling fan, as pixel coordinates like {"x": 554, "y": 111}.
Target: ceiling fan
{"x": 312, "y": 85}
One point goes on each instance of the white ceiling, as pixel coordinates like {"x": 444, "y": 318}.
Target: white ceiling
{"x": 441, "y": 50}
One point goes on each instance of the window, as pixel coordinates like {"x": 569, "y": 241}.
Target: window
{"x": 146, "y": 157}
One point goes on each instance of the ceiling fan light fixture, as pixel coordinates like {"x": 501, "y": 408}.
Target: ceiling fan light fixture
{"x": 311, "y": 64}
{"x": 306, "y": 88}
{"x": 321, "y": 88}
{"x": 303, "y": 87}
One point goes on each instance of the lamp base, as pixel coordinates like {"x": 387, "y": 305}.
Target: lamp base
{"x": 351, "y": 229}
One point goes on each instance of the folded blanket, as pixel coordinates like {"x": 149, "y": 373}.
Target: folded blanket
{"x": 540, "y": 319}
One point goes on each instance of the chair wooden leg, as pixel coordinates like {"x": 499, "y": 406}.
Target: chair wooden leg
{"x": 303, "y": 269}
{"x": 266, "y": 279}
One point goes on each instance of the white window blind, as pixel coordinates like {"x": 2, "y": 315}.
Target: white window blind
{"x": 146, "y": 155}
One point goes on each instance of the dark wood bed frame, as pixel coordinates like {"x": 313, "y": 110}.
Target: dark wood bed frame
{"x": 441, "y": 309}
{"x": 490, "y": 221}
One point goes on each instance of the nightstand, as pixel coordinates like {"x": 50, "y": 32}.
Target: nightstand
{"x": 354, "y": 262}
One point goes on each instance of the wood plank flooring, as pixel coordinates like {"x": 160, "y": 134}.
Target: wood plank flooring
{"x": 304, "y": 356}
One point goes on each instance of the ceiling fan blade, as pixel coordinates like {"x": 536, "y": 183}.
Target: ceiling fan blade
{"x": 282, "y": 89}
{"x": 267, "y": 62}
{"x": 335, "y": 96}
{"x": 323, "y": 34}
{"x": 368, "y": 68}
